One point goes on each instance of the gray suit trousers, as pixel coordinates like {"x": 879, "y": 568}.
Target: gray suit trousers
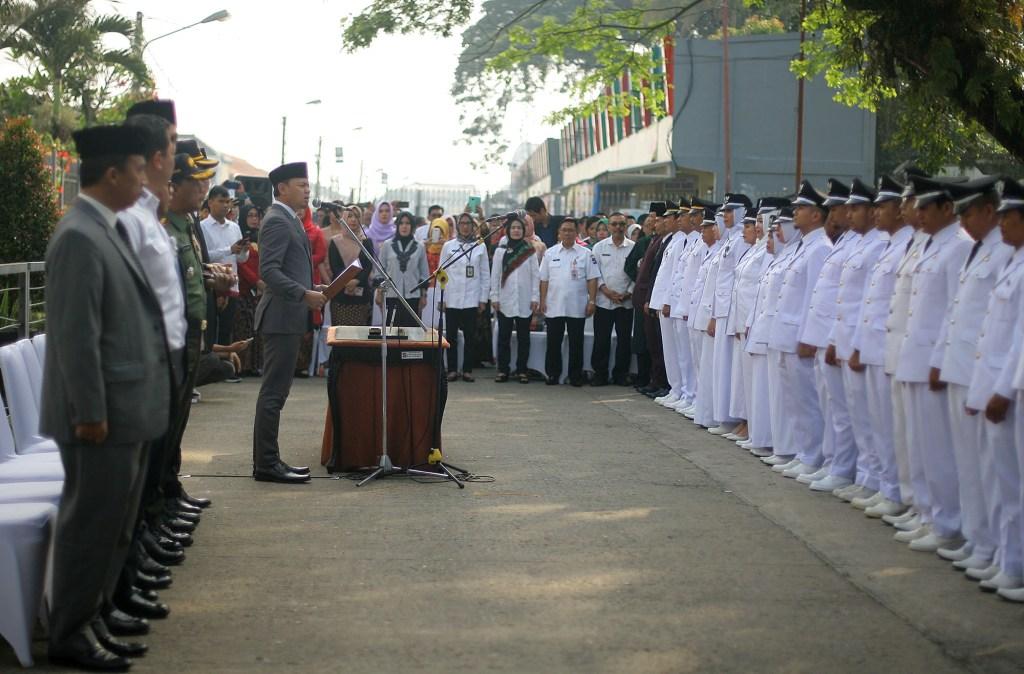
{"x": 280, "y": 355}
{"x": 102, "y": 487}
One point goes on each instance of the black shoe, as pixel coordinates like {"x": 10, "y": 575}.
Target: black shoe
{"x": 598, "y": 380}
{"x": 646, "y": 389}
{"x": 657, "y": 393}
{"x": 84, "y": 651}
{"x": 278, "y": 474}
{"x": 576, "y": 382}
{"x": 179, "y": 525}
{"x": 300, "y": 470}
{"x": 196, "y": 501}
{"x": 551, "y": 381}
{"x": 179, "y": 505}
{"x": 136, "y": 606}
{"x": 159, "y": 553}
{"x": 191, "y": 518}
{"x": 114, "y": 645}
{"x": 146, "y": 564}
{"x": 148, "y": 582}
{"x": 121, "y": 624}
{"x": 621, "y": 381}
{"x": 182, "y": 539}
{"x": 148, "y": 595}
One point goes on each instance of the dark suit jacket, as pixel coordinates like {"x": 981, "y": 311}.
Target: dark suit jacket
{"x": 644, "y": 278}
{"x": 286, "y": 266}
{"x": 106, "y": 350}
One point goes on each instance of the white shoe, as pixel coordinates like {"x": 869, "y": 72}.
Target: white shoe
{"x": 908, "y": 536}
{"x": 722, "y": 429}
{"x": 776, "y": 460}
{"x": 667, "y": 400}
{"x": 1001, "y": 581}
{"x": 955, "y": 555}
{"x": 761, "y": 452}
{"x": 843, "y": 491}
{"x": 991, "y": 571}
{"x": 783, "y": 467}
{"x": 933, "y": 542}
{"x": 974, "y": 562}
{"x": 680, "y": 405}
{"x": 800, "y": 469}
{"x": 865, "y": 503}
{"x": 830, "y": 483}
{"x": 731, "y": 436}
{"x": 884, "y": 508}
{"x": 899, "y": 519}
{"x": 690, "y": 413}
{"x": 745, "y": 444}
{"x": 1016, "y": 595}
{"x": 742, "y": 438}
{"x": 911, "y": 524}
{"x": 808, "y": 478}
{"x": 860, "y": 492}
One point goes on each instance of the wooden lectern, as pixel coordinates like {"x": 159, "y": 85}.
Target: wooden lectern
{"x": 352, "y": 433}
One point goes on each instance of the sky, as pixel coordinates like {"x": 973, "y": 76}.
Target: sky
{"x": 388, "y": 105}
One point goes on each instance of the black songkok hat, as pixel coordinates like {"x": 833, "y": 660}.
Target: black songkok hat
{"x": 658, "y": 208}
{"x": 964, "y": 194}
{"x": 735, "y": 200}
{"x": 838, "y": 193}
{"x": 860, "y": 193}
{"x": 888, "y": 190}
{"x": 108, "y": 141}
{"x": 159, "y": 107}
{"x": 286, "y": 172}
{"x": 1013, "y": 195}
{"x": 808, "y": 196}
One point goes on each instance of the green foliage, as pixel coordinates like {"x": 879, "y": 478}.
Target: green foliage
{"x": 62, "y": 44}
{"x": 28, "y": 203}
{"x": 402, "y": 17}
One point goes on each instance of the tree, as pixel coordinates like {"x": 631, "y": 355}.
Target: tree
{"x": 62, "y": 43}
{"x": 28, "y": 202}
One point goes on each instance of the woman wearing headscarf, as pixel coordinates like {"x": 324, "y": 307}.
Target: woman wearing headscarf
{"x": 352, "y": 306}
{"x": 515, "y": 294}
{"x": 382, "y": 224}
{"x": 405, "y": 261}
{"x": 318, "y": 253}
{"x": 250, "y": 289}
{"x": 437, "y": 236}
{"x": 466, "y": 295}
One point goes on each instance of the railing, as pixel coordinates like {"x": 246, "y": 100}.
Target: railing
{"x": 22, "y": 305}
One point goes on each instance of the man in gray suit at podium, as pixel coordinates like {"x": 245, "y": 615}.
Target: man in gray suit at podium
{"x": 282, "y": 316}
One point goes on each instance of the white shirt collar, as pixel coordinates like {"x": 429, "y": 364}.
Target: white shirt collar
{"x": 109, "y": 216}
{"x": 286, "y": 207}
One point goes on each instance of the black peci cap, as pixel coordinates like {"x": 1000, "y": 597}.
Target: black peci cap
{"x": 159, "y": 107}
{"x": 289, "y": 171}
{"x": 107, "y": 141}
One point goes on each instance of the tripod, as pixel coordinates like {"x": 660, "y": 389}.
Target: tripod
{"x": 385, "y": 467}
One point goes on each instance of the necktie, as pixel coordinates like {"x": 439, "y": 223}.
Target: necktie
{"x": 910, "y": 242}
{"x": 929, "y": 244}
{"x": 974, "y": 251}
{"x": 798, "y": 244}
{"x": 123, "y": 233}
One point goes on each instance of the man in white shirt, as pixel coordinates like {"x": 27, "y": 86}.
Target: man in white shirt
{"x": 433, "y": 213}
{"x": 465, "y": 297}
{"x": 614, "y": 305}
{"x": 568, "y": 295}
{"x": 225, "y": 245}
{"x": 673, "y": 242}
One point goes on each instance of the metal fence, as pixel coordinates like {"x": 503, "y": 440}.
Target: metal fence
{"x": 22, "y": 300}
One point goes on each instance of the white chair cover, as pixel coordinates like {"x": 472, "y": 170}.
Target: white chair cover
{"x": 39, "y": 343}
{"x": 25, "y": 534}
{"x": 34, "y": 369}
{"x": 31, "y": 492}
{"x": 15, "y": 467}
{"x": 21, "y": 399}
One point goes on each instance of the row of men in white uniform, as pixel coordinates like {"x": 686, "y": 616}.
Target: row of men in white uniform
{"x": 882, "y": 366}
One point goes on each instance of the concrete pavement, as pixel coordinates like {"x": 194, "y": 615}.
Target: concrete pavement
{"x": 617, "y": 537}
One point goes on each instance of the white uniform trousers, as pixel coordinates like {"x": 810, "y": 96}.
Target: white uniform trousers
{"x": 1019, "y": 444}
{"x": 803, "y": 409}
{"x": 696, "y": 340}
{"x": 668, "y": 352}
{"x": 838, "y": 446}
{"x": 759, "y": 420}
{"x": 979, "y": 513}
{"x": 779, "y": 411}
{"x": 855, "y": 389}
{"x": 723, "y": 347}
{"x": 933, "y": 447}
{"x": 684, "y": 355}
{"x": 880, "y": 412}
{"x": 828, "y": 437}
{"x": 901, "y": 441}
{"x": 1006, "y": 469}
{"x": 739, "y": 389}
{"x": 705, "y": 415}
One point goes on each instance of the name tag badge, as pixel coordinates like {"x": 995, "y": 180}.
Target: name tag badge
{"x": 470, "y": 272}
{"x": 556, "y": 262}
{"x": 606, "y": 254}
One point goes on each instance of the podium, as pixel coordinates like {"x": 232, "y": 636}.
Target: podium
{"x": 353, "y": 430}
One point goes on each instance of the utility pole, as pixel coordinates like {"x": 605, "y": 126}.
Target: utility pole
{"x": 137, "y": 44}
{"x": 284, "y": 126}
{"x": 800, "y": 106}
{"x": 726, "y": 130}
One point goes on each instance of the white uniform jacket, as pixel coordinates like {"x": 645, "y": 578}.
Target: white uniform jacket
{"x": 744, "y": 289}
{"x": 732, "y": 250}
{"x": 870, "y": 335}
{"x": 759, "y": 322}
{"x": 520, "y": 289}
{"x": 469, "y": 277}
{"x": 935, "y": 280}
{"x": 852, "y": 287}
{"x": 821, "y": 317}
{"x": 999, "y": 341}
{"x": 687, "y": 269}
{"x": 801, "y": 270}
{"x": 663, "y": 281}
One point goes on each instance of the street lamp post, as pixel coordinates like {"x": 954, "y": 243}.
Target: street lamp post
{"x": 222, "y": 15}
{"x": 284, "y": 126}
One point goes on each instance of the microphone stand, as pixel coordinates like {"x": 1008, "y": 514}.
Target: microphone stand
{"x": 385, "y": 467}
